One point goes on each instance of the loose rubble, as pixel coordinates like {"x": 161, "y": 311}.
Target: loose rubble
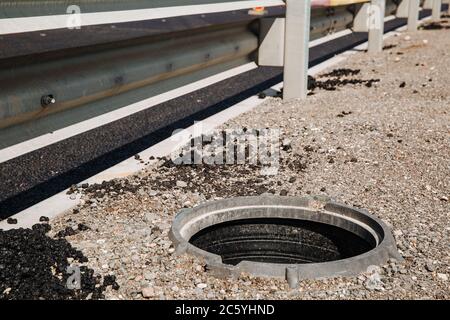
{"x": 35, "y": 266}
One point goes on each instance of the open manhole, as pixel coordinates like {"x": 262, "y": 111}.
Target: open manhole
{"x": 284, "y": 237}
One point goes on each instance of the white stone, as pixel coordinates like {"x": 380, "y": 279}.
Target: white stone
{"x": 148, "y": 292}
{"x": 181, "y": 184}
{"x": 398, "y": 233}
{"x": 442, "y": 276}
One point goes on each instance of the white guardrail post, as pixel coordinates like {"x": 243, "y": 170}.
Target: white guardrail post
{"x": 436, "y": 13}
{"x": 413, "y": 14}
{"x": 376, "y": 25}
{"x": 296, "y": 49}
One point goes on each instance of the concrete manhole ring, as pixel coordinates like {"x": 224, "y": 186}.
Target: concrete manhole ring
{"x": 283, "y": 237}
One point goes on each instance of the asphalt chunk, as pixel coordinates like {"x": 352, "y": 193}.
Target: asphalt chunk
{"x": 11, "y": 221}
{"x": 35, "y": 266}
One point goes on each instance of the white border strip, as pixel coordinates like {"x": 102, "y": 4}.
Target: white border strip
{"x": 39, "y": 23}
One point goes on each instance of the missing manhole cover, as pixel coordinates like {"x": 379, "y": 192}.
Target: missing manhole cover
{"x": 284, "y": 237}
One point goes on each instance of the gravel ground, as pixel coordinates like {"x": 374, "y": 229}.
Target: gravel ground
{"x": 374, "y": 133}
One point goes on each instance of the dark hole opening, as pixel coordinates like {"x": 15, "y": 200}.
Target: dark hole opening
{"x": 274, "y": 240}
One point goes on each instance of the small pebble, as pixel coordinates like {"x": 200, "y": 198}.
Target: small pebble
{"x": 442, "y": 276}
{"x": 202, "y": 285}
{"x": 181, "y": 184}
{"x": 148, "y": 292}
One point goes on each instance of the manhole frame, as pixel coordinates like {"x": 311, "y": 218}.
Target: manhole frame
{"x": 319, "y": 209}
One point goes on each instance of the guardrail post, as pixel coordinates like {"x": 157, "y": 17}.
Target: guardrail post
{"x": 437, "y": 6}
{"x": 413, "y": 14}
{"x": 402, "y": 9}
{"x": 376, "y": 25}
{"x": 296, "y": 49}
{"x": 271, "y": 42}
{"x": 428, "y": 4}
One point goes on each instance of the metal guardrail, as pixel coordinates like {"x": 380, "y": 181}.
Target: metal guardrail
{"x": 41, "y": 91}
